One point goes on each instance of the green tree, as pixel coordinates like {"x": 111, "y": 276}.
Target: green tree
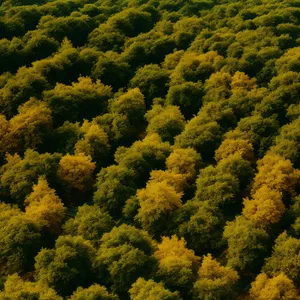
{"x": 94, "y": 292}
{"x": 90, "y": 222}
{"x": 18, "y": 175}
{"x": 115, "y": 184}
{"x": 125, "y": 254}
{"x": 285, "y": 258}
{"x": 247, "y": 245}
{"x": 20, "y": 240}
{"x": 149, "y": 289}
{"x": 167, "y": 121}
{"x": 67, "y": 266}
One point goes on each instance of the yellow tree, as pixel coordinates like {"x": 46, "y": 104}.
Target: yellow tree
{"x": 277, "y": 173}
{"x": 184, "y": 161}
{"x": 157, "y": 202}
{"x": 45, "y": 207}
{"x": 76, "y": 171}
{"x": 277, "y": 287}
{"x": 178, "y": 265}
{"x": 214, "y": 281}
{"x": 229, "y": 147}
{"x": 16, "y": 288}
{"x": 265, "y": 208}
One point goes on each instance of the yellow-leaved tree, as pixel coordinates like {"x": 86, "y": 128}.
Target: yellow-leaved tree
{"x": 265, "y": 208}
{"x": 76, "y": 171}
{"x": 277, "y": 287}
{"x": 214, "y": 281}
{"x": 178, "y": 265}
{"x": 45, "y": 207}
{"x": 157, "y": 202}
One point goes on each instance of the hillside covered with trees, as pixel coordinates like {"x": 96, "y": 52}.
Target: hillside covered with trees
{"x": 150, "y": 149}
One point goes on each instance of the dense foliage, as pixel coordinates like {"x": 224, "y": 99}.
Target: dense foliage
{"x": 150, "y": 149}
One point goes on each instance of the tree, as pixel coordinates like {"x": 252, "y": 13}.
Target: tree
{"x": 149, "y": 289}
{"x": 30, "y": 127}
{"x": 82, "y": 99}
{"x": 265, "y": 208}
{"x": 44, "y": 207}
{"x": 184, "y": 161}
{"x": 203, "y": 136}
{"x": 217, "y": 187}
{"x": 144, "y": 156}
{"x": 18, "y": 175}
{"x": 247, "y": 245}
{"x": 124, "y": 255}
{"x": 115, "y": 184}
{"x": 130, "y": 104}
{"x": 285, "y": 258}
{"x": 177, "y": 181}
{"x": 167, "y": 121}
{"x": 94, "y": 142}
{"x": 76, "y": 171}
{"x": 188, "y": 96}
{"x": 214, "y": 281}
{"x": 259, "y": 131}
{"x": 193, "y": 67}
{"x": 178, "y": 265}
{"x": 152, "y": 80}
{"x": 277, "y": 287}
{"x": 20, "y": 240}
{"x": 16, "y": 288}
{"x": 201, "y": 225}
{"x": 93, "y": 292}
{"x": 67, "y": 266}
{"x": 229, "y": 147}
{"x": 277, "y": 173}
{"x": 158, "y": 201}
{"x": 90, "y": 222}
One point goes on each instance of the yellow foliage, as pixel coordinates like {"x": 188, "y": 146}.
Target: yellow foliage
{"x": 265, "y": 208}
{"x": 242, "y": 81}
{"x": 176, "y": 261}
{"x": 15, "y": 289}
{"x": 184, "y": 162}
{"x": 76, "y": 171}
{"x": 157, "y": 200}
{"x": 229, "y": 147}
{"x": 277, "y": 173}
{"x": 276, "y": 288}
{"x": 178, "y": 181}
{"x": 45, "y": 207}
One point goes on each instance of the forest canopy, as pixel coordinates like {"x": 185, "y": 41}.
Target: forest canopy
{"x": 150, "y": 149}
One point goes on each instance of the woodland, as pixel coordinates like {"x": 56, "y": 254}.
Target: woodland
{"x": 149, "y": 149}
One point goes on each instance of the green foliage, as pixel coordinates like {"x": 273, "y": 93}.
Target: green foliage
{"x": 284, "y": 258}
{"x": 149, "y": 289}
{"x": 125, "y": 254}
{"x": 90, "y": 222}
{"x": 94, "y": 292}
{"x": 67, "y": 266}
{"x": 20, "y": 240}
